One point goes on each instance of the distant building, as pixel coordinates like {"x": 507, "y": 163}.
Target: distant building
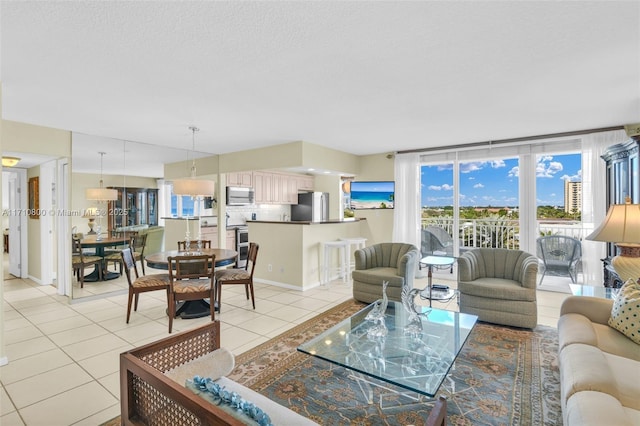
{"x": 572, "y": 196}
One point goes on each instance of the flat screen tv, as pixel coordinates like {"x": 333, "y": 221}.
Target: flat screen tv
{"x": 372, "y": 195}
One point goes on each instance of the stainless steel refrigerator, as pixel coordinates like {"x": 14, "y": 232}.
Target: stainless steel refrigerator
{"x": 312, "y": 207}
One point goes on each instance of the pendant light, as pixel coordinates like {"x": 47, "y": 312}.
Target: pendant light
{"x": 192, "y": 186}
{"x": 101, "y": 194}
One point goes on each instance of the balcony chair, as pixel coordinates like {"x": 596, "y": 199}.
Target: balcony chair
{"x": 193, "y": 244}
{"x": 243, "y": 276}
{"x": 436, "y": 241}
{"x": 392, "y": 262}
{"x": 140, "y": 284}
{"x": 561, "y": 256}
{"x": 191, "y": 278}
{"x": 499, "y": 286}
{"x": 80, "y": 260}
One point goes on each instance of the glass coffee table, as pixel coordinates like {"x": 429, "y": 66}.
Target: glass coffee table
{"x": 414, "y": 355}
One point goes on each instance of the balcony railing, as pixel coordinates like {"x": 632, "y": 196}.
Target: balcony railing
{"x": 501, "y": 233}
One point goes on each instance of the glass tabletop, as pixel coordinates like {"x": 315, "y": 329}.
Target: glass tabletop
{"x": 593, "y": 291}
{"x": 437, "y": 260}
{"x": 413, "y": 353}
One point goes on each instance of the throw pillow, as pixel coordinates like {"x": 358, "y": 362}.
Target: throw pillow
{"x": 625, "y": 313}
{"x": 214, "y": 365}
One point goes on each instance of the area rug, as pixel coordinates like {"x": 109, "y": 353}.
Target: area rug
{"x": 503, "y": 376}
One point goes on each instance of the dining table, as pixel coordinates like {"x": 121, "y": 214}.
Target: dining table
{"x": 93, "y": 241}
{"x": 192, "y": 308}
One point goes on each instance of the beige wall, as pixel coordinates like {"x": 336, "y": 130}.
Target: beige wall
{"x": 22, "y": 137}
{"x": 379, "y": 223}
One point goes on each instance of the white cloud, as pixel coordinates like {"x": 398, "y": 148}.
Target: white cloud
{"x": 478, "y": 185}
{"x": 514, "y": 172}
{"x": 435, "y": 187}
{"x": 547, "y": 168}
{"x": 496, "y": 164}
{"x": 444, "y": 187}
{"x": 472, "y": 166}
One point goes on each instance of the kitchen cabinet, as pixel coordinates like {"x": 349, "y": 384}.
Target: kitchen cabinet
{"x": 280, "y": 188}
{"x": 243, "y": 179}
{"x": 211, "y": 233}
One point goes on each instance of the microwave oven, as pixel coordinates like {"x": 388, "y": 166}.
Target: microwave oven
{"x": 240, "y": 196}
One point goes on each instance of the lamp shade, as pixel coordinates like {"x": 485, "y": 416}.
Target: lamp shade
{"x": 101, "y": 194}
{"x": 622, "y": 225}
{"x": 194, "y": 187}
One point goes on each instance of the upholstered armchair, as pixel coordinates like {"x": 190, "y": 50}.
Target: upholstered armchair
{"x": 499, "y": 286}
{"x": 392, "y": 262}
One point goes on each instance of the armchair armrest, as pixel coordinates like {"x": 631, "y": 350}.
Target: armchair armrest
{"x": 407, "y": 264}
{"x": 529, "y": 272}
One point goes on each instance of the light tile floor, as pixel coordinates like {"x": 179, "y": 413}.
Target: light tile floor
{"x": 63, "y": 358}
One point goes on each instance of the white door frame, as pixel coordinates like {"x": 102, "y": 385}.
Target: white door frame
{"x": 63, "y": 225}
{"x": 47, "y": 246}
{"x": 17, "y": 198}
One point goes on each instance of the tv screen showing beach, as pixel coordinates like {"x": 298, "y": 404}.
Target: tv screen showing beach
{"x": 372, "y": 195}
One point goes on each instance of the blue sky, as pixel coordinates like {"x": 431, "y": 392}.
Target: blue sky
{"x": 495, "y": 182}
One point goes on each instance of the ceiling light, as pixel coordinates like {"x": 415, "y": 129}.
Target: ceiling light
{"x": 101, "y": 194}
{"x": 192, "y": 186}
{"x": 10, "y": 161}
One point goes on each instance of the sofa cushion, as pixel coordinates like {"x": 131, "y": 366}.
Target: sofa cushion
{"x": 575, "y": 328}
{"x": 213, "y": 364}
{"x": 585, "y": 368}
{"x": 591, "y": 408}
{"x": 625, "y": 314}
{"x": 627, "y": 376}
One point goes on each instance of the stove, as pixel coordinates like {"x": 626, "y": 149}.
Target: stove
{"x": 242, "y": 246}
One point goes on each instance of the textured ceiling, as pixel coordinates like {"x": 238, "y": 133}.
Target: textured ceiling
{"x": 362, "y": 77}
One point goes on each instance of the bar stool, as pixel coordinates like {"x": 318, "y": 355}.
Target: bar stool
{"x": 341, "y": 264}
{"x": 355, "y": 243}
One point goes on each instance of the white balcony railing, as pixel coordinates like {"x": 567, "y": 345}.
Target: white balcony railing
{"x": 501, "y": 233}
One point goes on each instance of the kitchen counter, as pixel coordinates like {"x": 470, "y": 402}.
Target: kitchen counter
{"x": 290, "y": 256}
{"x": 306, "y": 222}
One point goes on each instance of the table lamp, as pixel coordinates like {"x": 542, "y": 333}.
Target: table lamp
{"x": 622, "y": 227}
{"x": 91, "y": 214}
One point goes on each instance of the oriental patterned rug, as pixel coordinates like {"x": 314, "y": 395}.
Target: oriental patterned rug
{"x": 503, "y": 376}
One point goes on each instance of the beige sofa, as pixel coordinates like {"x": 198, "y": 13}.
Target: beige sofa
{"x": 599, "y": 366}
{"x": 499, "y": 286}
{"x": 392, "y": 262}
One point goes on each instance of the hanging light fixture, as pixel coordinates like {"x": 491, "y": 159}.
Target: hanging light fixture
{"x": 195, "y": 188}
{"x": 192, "y": 186}
{"x": 101, "y": 194}
{"x": 10, "y": 161}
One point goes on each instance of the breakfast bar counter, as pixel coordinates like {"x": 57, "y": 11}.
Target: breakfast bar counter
{"x": 290, "y": 254}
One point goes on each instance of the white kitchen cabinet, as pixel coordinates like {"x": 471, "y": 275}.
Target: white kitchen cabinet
{"x": 231, "y": 239}
{"x": 243, "y": 179}
{"x": 210, "y": 233}
{"x": 280, "y": 188}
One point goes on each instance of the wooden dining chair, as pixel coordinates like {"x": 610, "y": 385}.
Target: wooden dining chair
{"x": 242, "y": 276}
{"x": 140, "y": 284}
{"x": 137, "y": 243}
{"x": 194, "y": 244}
{"x": 191, "y": 278}
{"x": 80, "y": 260}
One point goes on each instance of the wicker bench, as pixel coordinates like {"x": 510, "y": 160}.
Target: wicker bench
{"x": 149, "y": 397}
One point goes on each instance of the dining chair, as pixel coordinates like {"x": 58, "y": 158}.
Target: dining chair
{"x": 140, "y": 284}
{"x": 242, "y": 276}
{"x": 191, "y": 277}
{"x": 80, "y": 260}
{"x": 194, "y": 243}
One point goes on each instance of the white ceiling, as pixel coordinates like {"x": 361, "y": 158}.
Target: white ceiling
{"x": 362, "y": 77}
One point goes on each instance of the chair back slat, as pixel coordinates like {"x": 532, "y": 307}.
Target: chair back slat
{"x": 182, "y": 245}
{"x": 129, "y": 263}
{"x": 188, "y": 267}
